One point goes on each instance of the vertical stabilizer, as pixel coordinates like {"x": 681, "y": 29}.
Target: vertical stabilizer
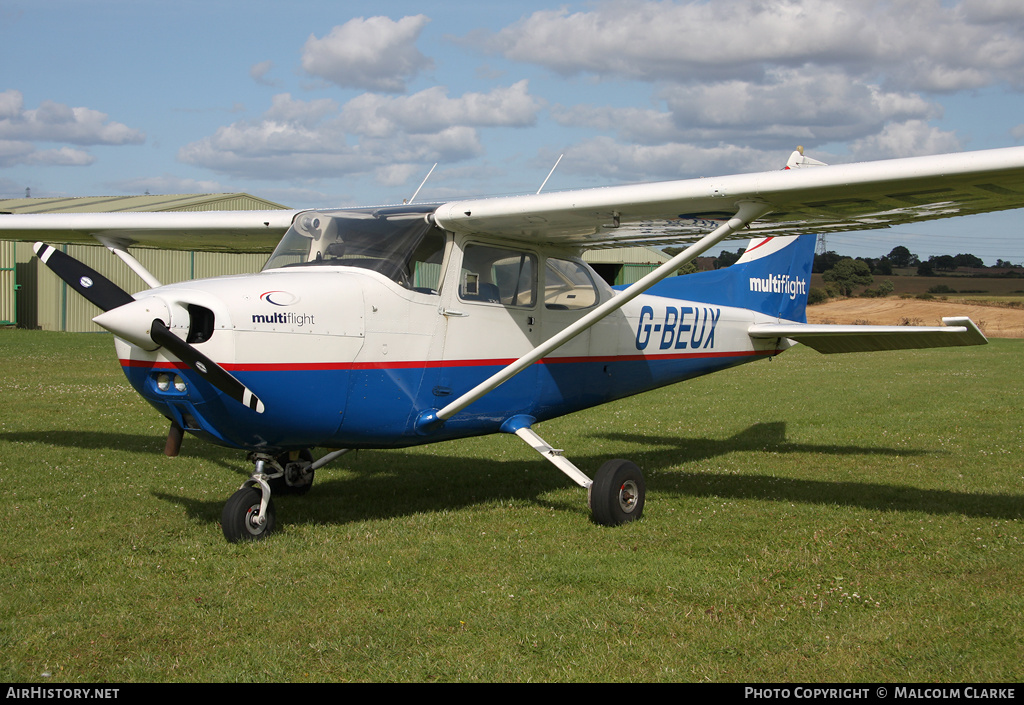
{"x": 773, "y": 277}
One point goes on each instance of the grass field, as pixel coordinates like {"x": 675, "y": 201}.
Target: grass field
{"x": 813, "y": 518}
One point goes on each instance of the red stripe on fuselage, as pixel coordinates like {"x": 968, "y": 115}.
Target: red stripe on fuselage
{"x": 425, "y": 364}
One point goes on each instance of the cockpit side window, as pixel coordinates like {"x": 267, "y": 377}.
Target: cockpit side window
{"x": 423, "y": 270}
{"x": 498, "y": 275}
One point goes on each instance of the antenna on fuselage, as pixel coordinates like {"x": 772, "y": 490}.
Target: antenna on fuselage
{"x": 421, "y": 183}
{"x": 550, "y": 173}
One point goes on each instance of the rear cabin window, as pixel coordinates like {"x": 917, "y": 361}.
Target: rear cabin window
{"x": 568, "y": 285}
{"x": 497, "y": 275}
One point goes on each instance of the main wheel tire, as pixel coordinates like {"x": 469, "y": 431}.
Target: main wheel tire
{"x": 617, "y": 495}
{"x": 238, "y": 520}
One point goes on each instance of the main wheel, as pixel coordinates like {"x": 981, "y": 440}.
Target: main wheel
{"x": 617, "y": 495}
{"x": 240, "y": 518}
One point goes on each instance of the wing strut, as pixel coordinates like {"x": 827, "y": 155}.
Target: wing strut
{"x": 747, "y": 212}
{"x": 120, "y": 248}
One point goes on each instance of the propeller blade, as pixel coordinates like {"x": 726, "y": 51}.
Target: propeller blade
{"x": 210, "y": 370}
{"x": 92, "y": 285}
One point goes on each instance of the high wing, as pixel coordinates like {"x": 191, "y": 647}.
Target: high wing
{"x": 816, "y": 199}
{"x": 812, "y": 199}
{"x": 208, "y": 231}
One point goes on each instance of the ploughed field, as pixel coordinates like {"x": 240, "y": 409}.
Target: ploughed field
{"x": 996, "y": 320}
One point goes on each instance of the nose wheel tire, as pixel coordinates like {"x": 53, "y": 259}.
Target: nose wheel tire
{"x": 241, "y": 519}
{"x": 618, "y": 493}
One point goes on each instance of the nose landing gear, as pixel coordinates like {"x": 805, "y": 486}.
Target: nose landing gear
{"x": 249, "y": 514}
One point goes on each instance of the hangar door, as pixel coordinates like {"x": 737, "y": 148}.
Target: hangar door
{"x": 8, "y": 285}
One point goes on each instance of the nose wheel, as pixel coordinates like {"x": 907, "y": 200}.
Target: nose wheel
{"x": 245, "y": 519}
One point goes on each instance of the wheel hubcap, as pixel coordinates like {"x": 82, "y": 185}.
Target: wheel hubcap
{"x": 254, "y": 523}
{"x": 627, "y": 496}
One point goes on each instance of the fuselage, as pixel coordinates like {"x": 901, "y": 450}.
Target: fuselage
{"x": 348, "y": 353}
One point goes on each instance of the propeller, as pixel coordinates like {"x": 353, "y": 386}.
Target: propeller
{"x": 141, "y": 322}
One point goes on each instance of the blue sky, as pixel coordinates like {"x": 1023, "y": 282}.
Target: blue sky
{"x": 312, "y": 103}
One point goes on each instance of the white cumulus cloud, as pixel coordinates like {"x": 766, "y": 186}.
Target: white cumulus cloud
{"x": 390, "y": 137}
{"x": 56, "y": 122}
{"x": 432, "y": 110}
{"x": 917, "y": 44}
{"x": 375, "y": 53}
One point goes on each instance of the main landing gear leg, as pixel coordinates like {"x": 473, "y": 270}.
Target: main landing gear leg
{"x": 617, "y": 492}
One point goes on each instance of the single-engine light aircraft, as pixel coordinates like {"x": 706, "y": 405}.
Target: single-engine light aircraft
{"x": 395, "y": 326}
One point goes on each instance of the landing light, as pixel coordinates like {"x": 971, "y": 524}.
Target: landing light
{"x": 164, "y": 382}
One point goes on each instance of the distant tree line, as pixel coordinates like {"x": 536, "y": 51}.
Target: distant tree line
{"x": 902, "y": 258}
{"x": 843, "y": 275}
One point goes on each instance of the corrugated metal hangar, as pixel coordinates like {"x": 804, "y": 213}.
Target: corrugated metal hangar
{"x": 31, "y": 296}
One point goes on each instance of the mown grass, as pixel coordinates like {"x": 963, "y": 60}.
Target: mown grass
{"x": 812, "y": 518}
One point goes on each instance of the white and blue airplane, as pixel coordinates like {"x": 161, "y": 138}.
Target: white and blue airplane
{"x": 396, "y": 326}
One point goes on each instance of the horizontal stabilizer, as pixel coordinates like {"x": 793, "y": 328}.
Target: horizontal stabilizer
{"x": 843, "y": 339}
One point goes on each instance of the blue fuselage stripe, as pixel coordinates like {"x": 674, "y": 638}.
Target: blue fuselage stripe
{"x": 376, "y": 406}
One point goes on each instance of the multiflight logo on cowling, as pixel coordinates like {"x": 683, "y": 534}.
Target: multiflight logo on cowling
{"x": 279, "y": 298}
{"x": 290, "y": 318}
{"x": 287, "y": 318}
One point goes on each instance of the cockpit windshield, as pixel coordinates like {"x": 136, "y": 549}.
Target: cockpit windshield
{"x": 400, "y": 243}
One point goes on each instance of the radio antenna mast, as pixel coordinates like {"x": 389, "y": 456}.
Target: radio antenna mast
{"x": 550, "y": 173}
{"x": 422, "y": 182}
